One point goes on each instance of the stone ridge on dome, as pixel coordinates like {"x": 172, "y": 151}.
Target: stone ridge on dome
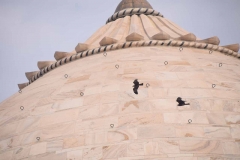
{"x": 124, "y": 4}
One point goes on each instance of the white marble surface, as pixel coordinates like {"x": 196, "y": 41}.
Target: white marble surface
{"x": 111, "y": 122}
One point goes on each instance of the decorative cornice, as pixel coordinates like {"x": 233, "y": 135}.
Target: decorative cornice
{"x": 132, "y": 11}
{"x": 173, "y": 43}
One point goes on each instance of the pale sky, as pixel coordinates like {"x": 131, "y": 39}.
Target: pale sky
{"x": 32, "y": 30}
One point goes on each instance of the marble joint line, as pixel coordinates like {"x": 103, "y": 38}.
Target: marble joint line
{"x": 132, "y": 11}
{"x": 103, "y": 49}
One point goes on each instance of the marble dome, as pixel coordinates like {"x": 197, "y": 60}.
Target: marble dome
{"x": 82, "y": 106}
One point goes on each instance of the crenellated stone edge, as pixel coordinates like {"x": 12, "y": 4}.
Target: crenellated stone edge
{"x": 132, "y": 11}
{"x": 173, "y": 43}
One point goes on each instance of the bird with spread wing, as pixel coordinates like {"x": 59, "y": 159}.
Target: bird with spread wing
{"x": 136, "y": 86}
{"x": 181, "y": 102}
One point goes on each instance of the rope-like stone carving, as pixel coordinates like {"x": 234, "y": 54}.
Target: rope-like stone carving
{"x": 113, "y": 47}
{"x": 132, "y": 11}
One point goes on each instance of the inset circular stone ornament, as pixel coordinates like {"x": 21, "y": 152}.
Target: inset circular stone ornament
{"x": 105, "y": 54}
{"x": 189, "y": 121}
{"x": 82, "y": 94}
{"x": 20, "y": 91}
{"x": 181, "y": 49}
{"x": 147, "y": 84}
{"x": 111, "y": 125}
{"x": 66, "y": 76}
{"x": 214, "y": 85}
{"x": 220, "y": 64}
{"x": 166, "y": 62}
{"x": 117, "y": 66}
{"x": 211, "y": 51}
{"x": 22, "y": 108}
{"x": 38, "y": 138}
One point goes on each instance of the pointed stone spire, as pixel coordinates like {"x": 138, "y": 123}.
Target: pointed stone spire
{"x": 212, "y": 40}
{"x": 107, "y": 41}
{"x": 60, "y": 55}
{"x": 42, "y": 64}
{"x": 233, "y": 47}
{"x": 29, "y": 75}
{"x": 23, "y": 85}
{"x": 188, "y": 37}
{"x": 81, "y": 47}
{"x": 161, "y": 36}
{"x": 134, "y": 37}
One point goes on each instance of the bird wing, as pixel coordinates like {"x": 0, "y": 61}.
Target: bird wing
{"x": 135, "y": 91}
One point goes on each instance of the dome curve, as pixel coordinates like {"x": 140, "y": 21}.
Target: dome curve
{"x": 124, "y": 4}
{"x": 85, "y": 106}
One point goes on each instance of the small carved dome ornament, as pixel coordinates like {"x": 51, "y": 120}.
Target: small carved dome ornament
{"x": 124, "y": 4}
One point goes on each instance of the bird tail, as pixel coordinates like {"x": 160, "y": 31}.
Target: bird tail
{"x": 187, "y": 104}
{"x": 141, "y": 84}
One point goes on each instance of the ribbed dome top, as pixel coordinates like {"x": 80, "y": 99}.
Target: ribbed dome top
{"x": 135, "y": 24}
{"x": 133, "y": 4}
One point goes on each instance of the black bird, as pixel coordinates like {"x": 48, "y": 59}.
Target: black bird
{"x": 136, "y": 86}
{"x": 181, "y": 102}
